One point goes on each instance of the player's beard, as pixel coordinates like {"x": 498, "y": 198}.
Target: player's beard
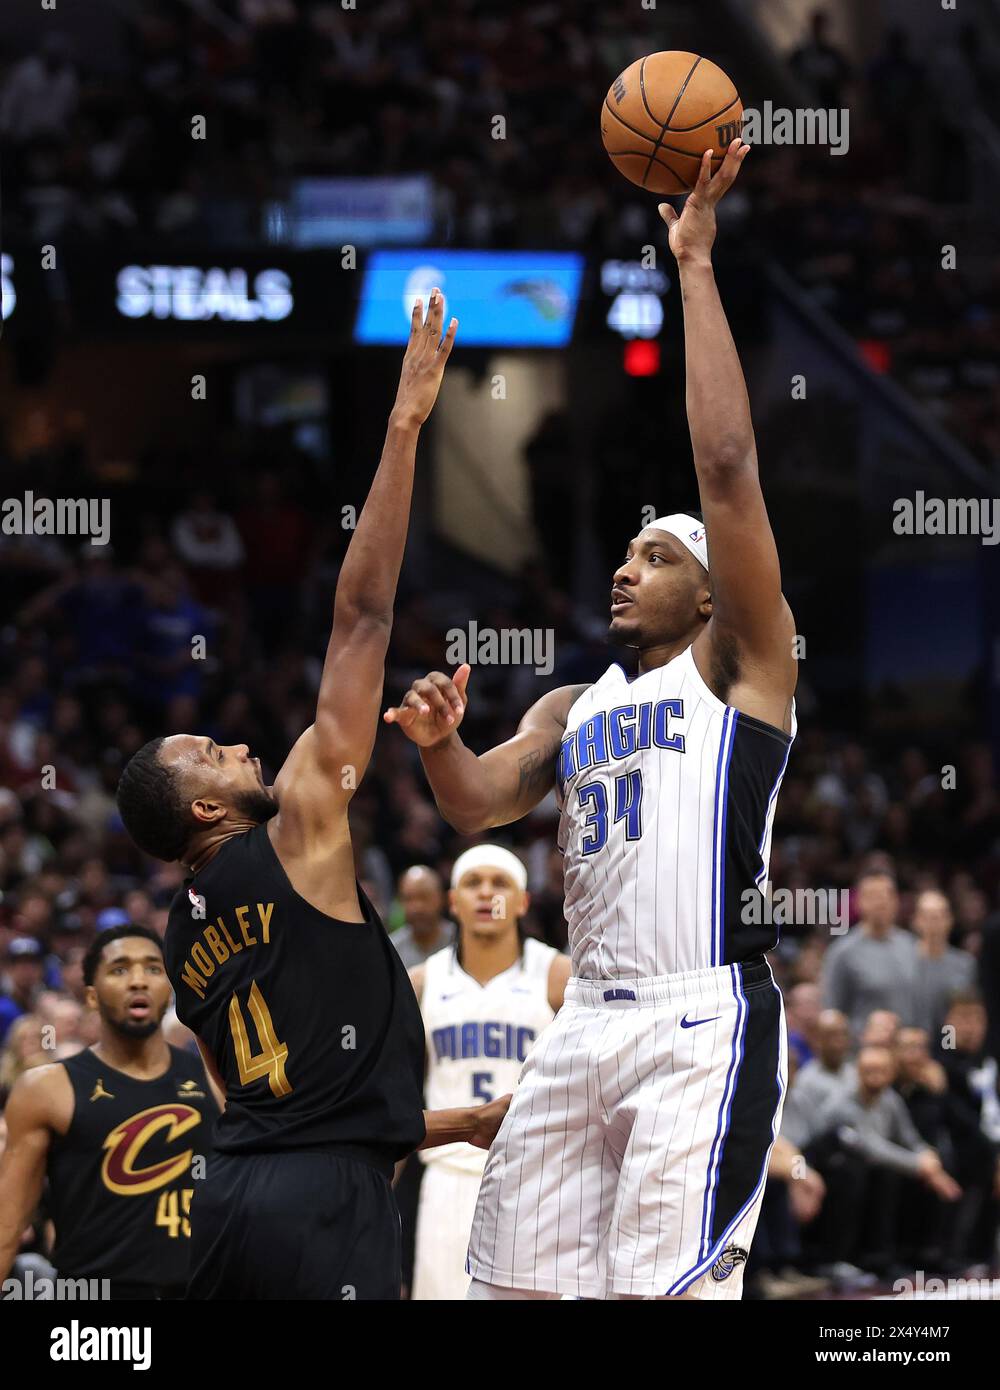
{"x": 258, "y": 806}
{"x": 135, "y": 1031}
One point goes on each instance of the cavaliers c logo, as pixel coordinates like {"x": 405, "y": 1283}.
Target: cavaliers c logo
{"x": 121, "y": 1171}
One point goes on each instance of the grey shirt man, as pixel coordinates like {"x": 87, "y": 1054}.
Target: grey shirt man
{"x": 413, "y": 952}
{"x": 815, "y": 1087}
{"x": 863, "y": 972}
{"x": 937, "y": 979}
{"x": 882, "y": 1131}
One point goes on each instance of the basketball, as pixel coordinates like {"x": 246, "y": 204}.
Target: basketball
{"x": 662, "y": 113}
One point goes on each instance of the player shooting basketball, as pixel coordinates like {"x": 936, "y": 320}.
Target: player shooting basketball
{"x": 280, "y": 964}
{"x": 632, "y": 1160}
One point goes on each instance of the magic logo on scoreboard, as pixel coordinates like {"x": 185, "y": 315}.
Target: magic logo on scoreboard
{"x": 500, "y": 298}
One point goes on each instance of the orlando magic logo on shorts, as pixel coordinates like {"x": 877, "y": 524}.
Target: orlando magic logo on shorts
{"x": 732, "y": 1256}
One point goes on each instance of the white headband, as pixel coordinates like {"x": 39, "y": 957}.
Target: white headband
{"x": 490, "y": 857}
{"x": 688, "y": 530}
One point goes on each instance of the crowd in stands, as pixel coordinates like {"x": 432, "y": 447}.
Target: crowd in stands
{"x": 888, "y": 854}
{"x": 98, "y": 150}
{"x": 210, "y": 612}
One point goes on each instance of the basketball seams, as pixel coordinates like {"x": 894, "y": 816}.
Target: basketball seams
{"x": 654, "y": 147}
{"x": 680, "y": 95}
{"x": 683, "y": 184}
{"x": 707, "y": 120}
{"x": 642, "y": 91}
{"x": 621, "y": 121}
{"x": 657, "y": 145}
{"x": 666, "y": 124}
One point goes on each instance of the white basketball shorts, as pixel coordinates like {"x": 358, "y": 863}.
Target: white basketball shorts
{"x": 444, "y": 1219}
{"x": 633, "y": 1157}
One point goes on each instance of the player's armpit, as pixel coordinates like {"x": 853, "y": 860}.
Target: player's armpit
{"x": 30, "y": 1114}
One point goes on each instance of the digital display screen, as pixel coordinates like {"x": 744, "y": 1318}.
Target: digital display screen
{"x": 500, "y": 298}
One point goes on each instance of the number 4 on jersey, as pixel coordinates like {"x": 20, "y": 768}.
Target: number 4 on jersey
{"x": 270, "y": 1060}
{"x": 628, "y": 807}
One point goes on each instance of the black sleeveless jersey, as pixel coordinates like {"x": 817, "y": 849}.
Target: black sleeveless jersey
{"x": 121, "y": 1179}
{"x": 312, "y": 1022}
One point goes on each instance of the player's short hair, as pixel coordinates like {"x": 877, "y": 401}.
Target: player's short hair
{"x": 151, "y": 806}
{"x": 96, "y": 948}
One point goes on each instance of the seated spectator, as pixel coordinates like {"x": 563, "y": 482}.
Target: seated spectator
{"x": 922, "y": 1083}
{"x": 881, "y": 1030}
{"x": 802, "y": 1007}
{"x": 792, "y": 1199}
{"x": 973, "y": 1120}
{"x": 817, "y": 1083}
{"x": 872, "y": 1148}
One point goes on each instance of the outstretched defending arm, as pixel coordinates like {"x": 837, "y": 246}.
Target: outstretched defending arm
{"x": 750, "y": 618}
{"x": 351, "y": 687}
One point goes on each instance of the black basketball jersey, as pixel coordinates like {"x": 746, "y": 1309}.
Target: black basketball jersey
{"x": 120, "y": 1179}
{"x": 312, "y": 1022}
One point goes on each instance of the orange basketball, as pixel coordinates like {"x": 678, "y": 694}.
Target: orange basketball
{"x": 661, "y": 115}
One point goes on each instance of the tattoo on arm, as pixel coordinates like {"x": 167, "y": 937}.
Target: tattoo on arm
{"x": 535, "y": 769}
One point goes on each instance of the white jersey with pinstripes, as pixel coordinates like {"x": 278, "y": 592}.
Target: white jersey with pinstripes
{"x": 667, "y": 798}
{"x": 478, "y": 1036}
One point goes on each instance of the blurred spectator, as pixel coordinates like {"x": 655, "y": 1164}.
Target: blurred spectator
{"x": 874, "y": 966}
{"x": 819, "y": 1081}
{"x": 942, "y": 971}
{"x": 425, "y": 928}
{"x": 23, "y": 977}
{"x": 210, "y": 546}
{"x": 881, "y": 1029}
{"x": 820, "y": 65}
{"x": 973, "y": 1111}
{"x": 875, "y": 1145}
{"x": 802, "y": 1006}
{"x": 40, "y": 94}
{"x": 21, "y": 1050}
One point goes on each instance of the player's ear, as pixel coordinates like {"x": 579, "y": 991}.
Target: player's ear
{"x": 207, "y": 811}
